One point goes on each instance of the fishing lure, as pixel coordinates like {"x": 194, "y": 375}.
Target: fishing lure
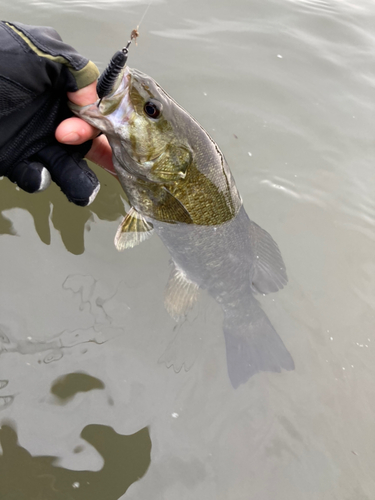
{"x": 114, "y": 68}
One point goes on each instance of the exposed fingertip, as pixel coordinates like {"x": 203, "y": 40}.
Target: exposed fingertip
{"x": 71, "y": 138}
{"x": 74, "y": 125}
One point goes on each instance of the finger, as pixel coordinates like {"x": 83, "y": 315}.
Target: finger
{"x": 31, "y": 176}
{"x": 101, "y": 154}
{"x": 75, "y": 131}
{"x": 71, "y": 173}
{"x": 84, "y": 96}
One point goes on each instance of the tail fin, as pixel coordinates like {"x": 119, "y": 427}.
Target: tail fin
{"x": 253, "y": 345}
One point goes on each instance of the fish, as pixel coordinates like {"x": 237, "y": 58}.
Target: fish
{"x": 180, "y": 186}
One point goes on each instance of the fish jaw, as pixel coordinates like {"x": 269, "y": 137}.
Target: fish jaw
{"x": 91, "y": 115}
{"x": 110, "y": 114}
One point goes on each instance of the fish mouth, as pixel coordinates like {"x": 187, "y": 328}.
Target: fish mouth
{"x": 122, "y": 82}
{"x": 100, "y": 115}
{"x": 125, "y": 108}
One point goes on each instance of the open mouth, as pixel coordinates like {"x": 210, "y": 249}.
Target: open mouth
{"x": 125, "y": 109}
{"x": 122, "y": 83}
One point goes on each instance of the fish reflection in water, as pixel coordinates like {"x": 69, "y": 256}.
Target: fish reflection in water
{"x": 179, "y": 185}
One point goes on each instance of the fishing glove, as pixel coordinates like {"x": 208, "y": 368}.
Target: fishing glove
{"x": 37, "y": 69}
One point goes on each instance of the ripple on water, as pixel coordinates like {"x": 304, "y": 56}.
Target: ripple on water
{"x": 331, "y": 6}
{"x": 325, "y": 6}
{"x": 345, "y": 201}
{"x": 201, "y": 30}
{"x": 307, "y": 194}
{"x": 98, "y": 4}
{"x": 5, "y": 401}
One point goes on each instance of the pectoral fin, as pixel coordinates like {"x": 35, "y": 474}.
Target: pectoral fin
{"x": 133, "y": 230}
{"x": 168, "y": 208}
{"x": 269, "y": 275}
{"x": 180, "y": 294}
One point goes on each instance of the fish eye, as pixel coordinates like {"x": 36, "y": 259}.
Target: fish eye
{"x": 153, "y": 109}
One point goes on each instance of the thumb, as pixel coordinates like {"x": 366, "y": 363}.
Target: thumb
{"x": 84, "y": 96}
{"x": 74, "y": 130}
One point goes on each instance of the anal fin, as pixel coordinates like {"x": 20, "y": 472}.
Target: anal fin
{"x": 180, "y": 294}
{"x": 269, "y": 268}
{"x": 132, "y": 231}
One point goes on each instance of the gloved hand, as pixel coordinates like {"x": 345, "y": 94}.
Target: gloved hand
{"x": 37, "y": 70}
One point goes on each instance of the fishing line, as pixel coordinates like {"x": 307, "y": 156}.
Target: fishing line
{"x": 144, "y": 14}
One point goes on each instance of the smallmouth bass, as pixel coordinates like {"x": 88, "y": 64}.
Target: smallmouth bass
{"x": 179, "y": 185}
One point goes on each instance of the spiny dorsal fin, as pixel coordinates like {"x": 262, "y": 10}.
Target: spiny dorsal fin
{"x": 270, "y": 274}
{"x": 180, "y": 293}
{"x": 132, "y": 231}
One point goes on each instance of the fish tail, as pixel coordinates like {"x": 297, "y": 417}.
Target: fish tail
{"x": 253, "y": 345}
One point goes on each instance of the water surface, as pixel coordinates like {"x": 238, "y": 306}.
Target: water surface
{"x": 286, "y": 88}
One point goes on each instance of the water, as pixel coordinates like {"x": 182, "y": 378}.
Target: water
{"x": 286, "y": 88}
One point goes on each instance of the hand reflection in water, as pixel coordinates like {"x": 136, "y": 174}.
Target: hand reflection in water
{"x": 23, "y": 476}
{"x": 66, "y": 217}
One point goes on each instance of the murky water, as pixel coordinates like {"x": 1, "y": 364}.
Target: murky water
{"x": 98, "y": 385}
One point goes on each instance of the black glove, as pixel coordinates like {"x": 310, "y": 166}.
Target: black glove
{"x": 37, "y": 69}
